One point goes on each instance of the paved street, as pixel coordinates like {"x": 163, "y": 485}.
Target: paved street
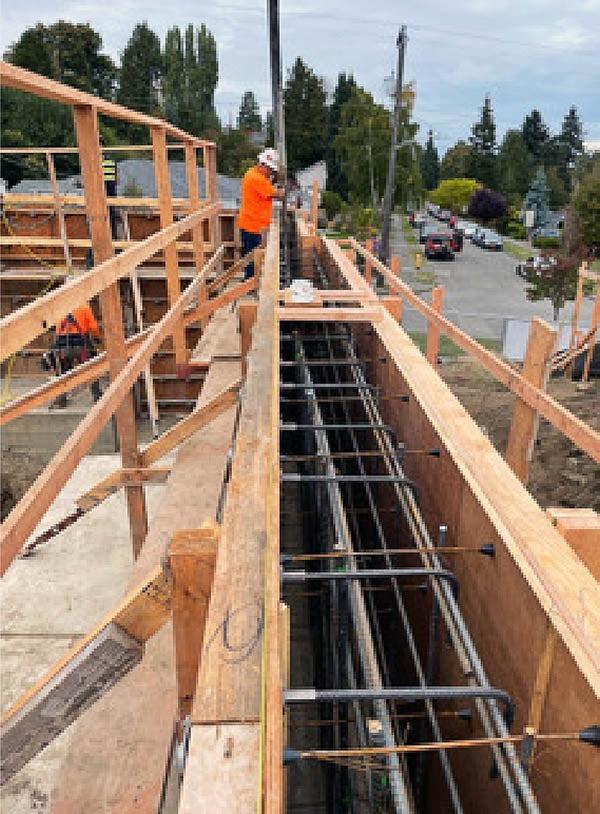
{"x": 481, "y": 290}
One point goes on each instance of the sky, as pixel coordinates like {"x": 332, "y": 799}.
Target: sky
{"x": 532, "y": 53}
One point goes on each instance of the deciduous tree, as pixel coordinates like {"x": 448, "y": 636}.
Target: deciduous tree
{"x": 454, "y": 193}
{"x": 456, "y": 161}
{"x": 514, "y": 165}
{"x": 487, "y": 205}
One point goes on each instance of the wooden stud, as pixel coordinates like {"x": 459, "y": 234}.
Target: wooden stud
{"x": 113, "y": 482}
{"x": 525, "y": 420}
{"x": 394, "y": 306}
{"x": 433, "y": 331}
{"x": 192, "y": 556}
{"x": 90, "y": 157}
{"x": 395, "y": 269}
{"x": 191, "y": 169}
{"x": 247, "y": 317}
{"x": 163, "y": 187}
{"x": 59, "y": 210}
{"x": 148, "y": 380}
{"x": 310, "y": 314}
{"x": 592, "y": 340}
{"x": 209, "y": 307}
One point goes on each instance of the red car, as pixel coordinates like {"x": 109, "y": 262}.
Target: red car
{"x": 439, "y": 245}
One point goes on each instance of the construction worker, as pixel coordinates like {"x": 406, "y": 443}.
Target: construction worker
{"x": 109, "y": 173}
{"x": 258, "y": 192}
{"x": 74, "y": 344}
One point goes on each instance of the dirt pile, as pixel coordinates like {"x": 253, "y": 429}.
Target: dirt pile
{"x": 560, "y": 473}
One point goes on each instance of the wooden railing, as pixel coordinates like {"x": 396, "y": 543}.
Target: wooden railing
{"x": 124, "y": 359}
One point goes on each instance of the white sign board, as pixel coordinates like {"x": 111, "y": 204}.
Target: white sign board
{"x": 529, "y": 219}
{"x": 515, "y": 333}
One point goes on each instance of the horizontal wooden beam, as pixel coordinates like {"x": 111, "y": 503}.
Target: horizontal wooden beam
{"x": 31, "y": 508}
{"x": 208, "y": 307}
{"x": 19, "y": 200}
{"x": 319, "y": 314}
{"x": 82, "y": 374}
{"x": 20, "y": 327}
{"x": 226, "y": 276}
{"x": 118, "y": 148}
{"x": 13, "y": 77}
{"x": 190, "y": 424}
{"x": 121, "y": 477}
{"x": 576, "y": 430}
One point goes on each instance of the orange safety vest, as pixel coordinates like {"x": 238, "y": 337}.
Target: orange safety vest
{"x": 257, "y": 202}
{"x": 80, "y": 321}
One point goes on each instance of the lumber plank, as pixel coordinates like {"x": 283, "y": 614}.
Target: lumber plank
{"x": 247, "y": 317}
{"x": 32, "y": 506}
{"x": 205, "y": 309}
{"x": 525, "y": 420}
{"x": 14, "y": 77}
{"x": 90, "y": 159}
{"x": 192, "y": 555}
{"x": 229, "y": 273}
{"x": 190, "y": 424}
{"x": 227, "y": 754}
{"x": 319, "y": 314}
{"x": 113, "y": 482}
{"x": 163, "y": 186}
{"x": 576, "y": 430}
{"x": 117, "y": 740}
{"x": 22, "y": 326}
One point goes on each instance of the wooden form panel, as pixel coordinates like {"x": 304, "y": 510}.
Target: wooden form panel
{"x": 505, "y": 601}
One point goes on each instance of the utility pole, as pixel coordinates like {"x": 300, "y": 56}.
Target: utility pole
{"x": 390, "y": 186}
{"x": 276, "y": 83}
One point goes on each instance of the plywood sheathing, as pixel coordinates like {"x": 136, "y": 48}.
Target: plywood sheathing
{"x": 119, "y": 752}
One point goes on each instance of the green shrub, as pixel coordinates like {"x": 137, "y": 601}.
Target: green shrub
{"x": 546, "y": 242}
{"x": 331, "y": 202}
{"x": 516, "y": 229}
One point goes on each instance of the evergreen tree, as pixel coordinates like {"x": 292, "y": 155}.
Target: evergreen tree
{"x": 190, "y": 79}
{"x": 570, "y": 147}
{"x": 337, "y": 179}
{"x": 249, "y": 114}
{"x": 141, "y": 69}
{"x": 537, "y": 199}
{"x": 305, "y": 116}
{"x": 456, "y": 161}
{"x": 535, "y": 135}
{"x": 514, "y": 164}
{"x": 430, "y": 164}
{"x": 483, "y": 162}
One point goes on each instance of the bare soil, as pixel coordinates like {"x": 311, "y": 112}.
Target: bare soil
{"x": 560, "y": 473}
{"x": 18, "y": 470}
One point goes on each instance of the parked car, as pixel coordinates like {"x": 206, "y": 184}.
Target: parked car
{"x": 477, "y": 234}
{"x": 555, "y": 233}
{"x": 439, "y": 245}
{"x": 444, "y": 215}
{"x": 491, "y": 240}
{"x": 466, "y": 228}
{"x": 427, "y": 229}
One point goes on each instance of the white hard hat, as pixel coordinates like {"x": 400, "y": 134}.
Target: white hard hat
{"x": 270, "y": 158}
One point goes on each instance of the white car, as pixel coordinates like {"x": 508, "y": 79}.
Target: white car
{"x": 467, "y": 228}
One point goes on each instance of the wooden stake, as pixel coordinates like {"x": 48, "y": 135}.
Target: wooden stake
{"x": 192, "y": 556}
{"x": 395, "y": 269}
{"x": 314, "y": 211}
{"x": 433, "y": 330}
{"x": 524, "y": 423}
{"x": 247, "y": 316}
{"x": 90, "y": 157}
{"x": 148, "y": 380}
{"x": 368, "y": 264}
{"x": 163, "y": 187}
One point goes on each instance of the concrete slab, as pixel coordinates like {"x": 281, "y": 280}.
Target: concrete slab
{"x": 50, "y": 600}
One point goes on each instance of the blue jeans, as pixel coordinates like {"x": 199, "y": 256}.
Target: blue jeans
{"x": 250, "y": 241}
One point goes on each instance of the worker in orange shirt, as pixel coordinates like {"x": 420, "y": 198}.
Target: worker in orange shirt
{"x": 74, "y": 344}
{"x": 258, "y": 192}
